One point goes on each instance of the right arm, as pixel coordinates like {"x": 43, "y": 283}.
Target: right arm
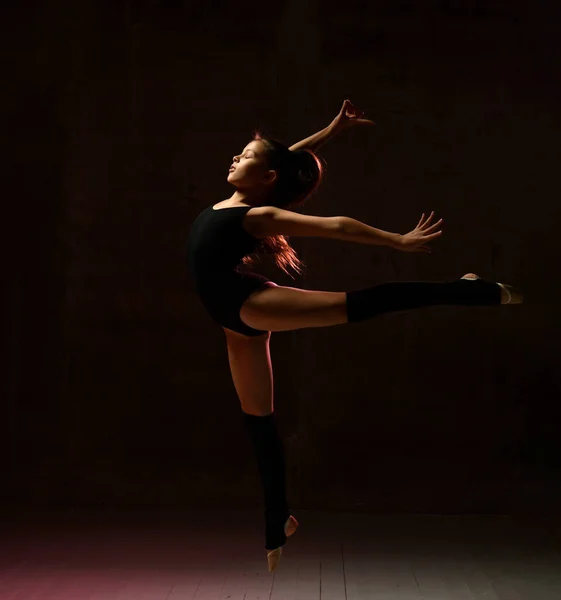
{"x": 270, "y": 220}
{"x": 352, "y": 230}
{"x": 414, "y": 241}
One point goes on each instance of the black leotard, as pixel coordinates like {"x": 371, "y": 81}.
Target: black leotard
{"x": 216, "y": 244}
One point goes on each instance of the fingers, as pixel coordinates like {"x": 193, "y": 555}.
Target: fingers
{"x": 424, "y": 224}
{"x": 434, "y": 226}
{"x": 350, "y": 111}
{"x": 424, "y": 221}
{"x": 432, "y": 236}
{"x": 428, "y": 220}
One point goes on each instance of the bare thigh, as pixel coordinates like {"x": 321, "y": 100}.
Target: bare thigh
{"x": 252, "y": 371}
{"x": 280, "y": 308}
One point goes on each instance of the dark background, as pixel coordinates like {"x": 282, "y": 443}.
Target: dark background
{"x": 122, "y": 118}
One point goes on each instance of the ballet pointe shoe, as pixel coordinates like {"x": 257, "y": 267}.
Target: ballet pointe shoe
{"x": 290, "y": 526}
{"x": 509, "y": 294}
{"x": 273, "y": 556}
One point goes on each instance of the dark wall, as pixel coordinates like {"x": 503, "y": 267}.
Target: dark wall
{"x": 123, "y": 119}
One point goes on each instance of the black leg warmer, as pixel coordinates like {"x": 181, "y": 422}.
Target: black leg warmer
{"x": 270, "y": 461}
{"x": 406, "y": 295}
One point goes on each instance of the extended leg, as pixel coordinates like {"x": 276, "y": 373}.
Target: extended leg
{"x": 285, "y": 308}
{"x": 406, "y": 295}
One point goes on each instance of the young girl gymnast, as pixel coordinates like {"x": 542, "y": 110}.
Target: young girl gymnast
{"x": 226, "y": 238}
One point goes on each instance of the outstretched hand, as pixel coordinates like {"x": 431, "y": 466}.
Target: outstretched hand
{"x": 416, "y": 240}
{"x": 349, "y": 115}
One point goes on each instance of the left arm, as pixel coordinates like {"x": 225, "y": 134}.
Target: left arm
{"x": 316, "y": 140}
{"x": 348, "y": 116}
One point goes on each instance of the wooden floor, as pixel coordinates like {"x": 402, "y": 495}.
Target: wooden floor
{"x": 210, "y": 555}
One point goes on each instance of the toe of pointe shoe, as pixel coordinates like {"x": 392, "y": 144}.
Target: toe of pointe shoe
{"x": 273, "y": 558}
{"x": 509, "y": 294}
{"x": 290, "y": 526}
{"x": 512, "y": 296}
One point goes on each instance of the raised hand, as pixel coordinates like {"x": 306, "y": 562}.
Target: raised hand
{"x": 348, "y": 116}
{"x": 416, "y": 240}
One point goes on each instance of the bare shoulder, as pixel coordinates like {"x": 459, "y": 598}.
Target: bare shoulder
{"x": 265, "y": 221}
{"x": 255, "y": 218}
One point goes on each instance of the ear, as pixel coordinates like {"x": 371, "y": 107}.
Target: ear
{"x": 270, "y": 176}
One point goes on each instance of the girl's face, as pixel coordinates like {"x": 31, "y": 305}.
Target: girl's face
{"x": 249, "y": 169}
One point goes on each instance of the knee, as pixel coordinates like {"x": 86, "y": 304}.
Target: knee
{"x": 233, "y": 337}
{"x": 257, "y": 412}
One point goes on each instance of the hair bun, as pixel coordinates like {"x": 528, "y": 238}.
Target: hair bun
{"x": 299, "y": 172}
{"x": 306, "y": 166}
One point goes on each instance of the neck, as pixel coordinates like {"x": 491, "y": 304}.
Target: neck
{"x": 249, "y": 197}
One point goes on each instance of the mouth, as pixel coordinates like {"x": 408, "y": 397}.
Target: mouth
{"x": 231, "y": 170}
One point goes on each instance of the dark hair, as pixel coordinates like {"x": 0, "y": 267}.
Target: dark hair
{"x": 299, "y": 174}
